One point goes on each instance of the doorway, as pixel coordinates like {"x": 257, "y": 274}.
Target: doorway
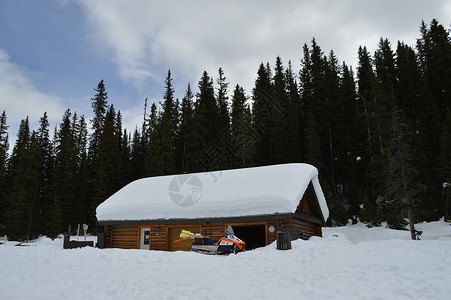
{"x": 144, "y": 239}
{"x": 253, "y": 235}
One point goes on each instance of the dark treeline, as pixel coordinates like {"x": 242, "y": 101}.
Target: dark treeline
{"x": 380, "y": 137}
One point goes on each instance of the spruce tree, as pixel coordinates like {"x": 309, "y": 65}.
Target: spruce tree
{"x": 22, "y": 182}
{"x": 352, "y": 163}
{"x": 429, "y": 128}
{"x": 408, "y": 82}
{"x": 373, "y": 112}
{"x": 281, "y": 100}
{"x": 186, "y": 139}
{"x": 4, "y": 147}
{"x": 105, "y": 182}
{"x": 401, "y": 175}
{"x": 45, "y": 164}
{"x": 313, "y": 153}
{"x": 99, "y": 106}
{"x": 332, "y": 116}
{"x": 223, "y": 106}
{"x": 166, "y": 130}
{"x": 225, "y": 151}
{"x": 294, "y": 115}
{"x": 82, "y": 184}
{"x": 263, "y": 115}
{"x": 152, "y": 150}
{"x": 434, "y": 50}
{"x": 138, "y": 167}
{"x": 65, "y": 176}
{"x": 206, "y": 126}
{"x": 243, "y": 136}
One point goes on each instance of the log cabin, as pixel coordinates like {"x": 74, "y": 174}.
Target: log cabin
{"x": 150, "y": 213}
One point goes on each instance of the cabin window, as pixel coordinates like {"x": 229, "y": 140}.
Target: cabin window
{"x": 146, "y": 237}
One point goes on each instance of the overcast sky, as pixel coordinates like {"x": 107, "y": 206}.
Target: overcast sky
{"x": 53, "y": 53}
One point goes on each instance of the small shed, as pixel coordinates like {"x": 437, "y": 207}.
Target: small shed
{"x": 150, "y": 213}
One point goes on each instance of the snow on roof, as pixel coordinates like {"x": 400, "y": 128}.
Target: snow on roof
{"x": 231, "y": 193}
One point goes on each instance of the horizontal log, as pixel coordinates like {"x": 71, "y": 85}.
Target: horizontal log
{"x": 125, "y": 231}
{"x": 125, "y": 240}
{"x": 124, "y": 245}
{"x": 118, "y": 227}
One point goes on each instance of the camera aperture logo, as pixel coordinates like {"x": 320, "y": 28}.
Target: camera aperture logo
{"x": 185, "y": 190}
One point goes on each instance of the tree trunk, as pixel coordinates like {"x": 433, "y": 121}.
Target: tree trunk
{"x": 411, "y": 224}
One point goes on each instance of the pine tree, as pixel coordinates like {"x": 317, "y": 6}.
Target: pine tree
{"x": 99, "y": 105}
{"x": 65, "y": 175}
{"x": 139, "y": 168}
{"x": 401, "y": 175}
{"x": 429, "y": 128}
{"x": 4, "y": 147}
{"x": 22, "y": 182}
{"x": 408, "y": 82}
{"x": 208, "y": 106}
{"x": 45, "y": 163}
{"x": 186, "y": 135}
{"x": 126, "y": 157}
{"x": 82, "y": 183}
{"x": 105, "y": 182}
{"x": 313, "y": 153}
{"x": 294, "y": 115}
{"x": 332, "y": 116}
{"x": 375, "y": 113}
{"x": 225, "y": 151}
{"x": 169, "y": 106}
{"x": 353, "y": 158}
{"x": 152, "y": 144}
{"x": 166, "y": 154}
{"x": 206, "y": 125}
{"x": 281, "y": 100}
{"x": 305, "y": 76}
{"x": 263, "y": 116}
{"x": 243, "y": 136}
{"x": 166, "y": 130}
{"x": 434, "y": 50}
{"x": 223, "y": 106}
{"x": 385, "y": 67}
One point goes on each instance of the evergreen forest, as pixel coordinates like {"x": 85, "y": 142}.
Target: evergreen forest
{"x": 380, "y": 136}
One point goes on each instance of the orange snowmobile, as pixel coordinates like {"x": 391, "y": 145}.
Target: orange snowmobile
{"x": 228, "y": 243}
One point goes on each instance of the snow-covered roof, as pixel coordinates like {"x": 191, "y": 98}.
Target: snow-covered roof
{"x": 231, "y": 193}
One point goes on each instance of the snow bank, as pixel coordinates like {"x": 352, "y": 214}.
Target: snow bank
{"x": 231, "y": 193}
{"x": 342, "y": 265}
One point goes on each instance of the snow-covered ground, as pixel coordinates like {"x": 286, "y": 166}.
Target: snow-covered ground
{"x": 351, "y": 262}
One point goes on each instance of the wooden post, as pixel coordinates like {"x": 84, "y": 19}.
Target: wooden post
{"x": 78, "y": 231}
{"x": 283, "y": 240}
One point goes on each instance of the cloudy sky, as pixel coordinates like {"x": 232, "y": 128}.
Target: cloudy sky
{"x": 53, "y": 53}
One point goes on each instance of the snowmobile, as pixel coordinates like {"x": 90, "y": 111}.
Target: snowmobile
{"x": 228, "y": 243}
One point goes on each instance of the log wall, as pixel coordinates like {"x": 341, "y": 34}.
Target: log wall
{"x": 121, "y": 236}
{"x": 127, "y": 236}
{"x": 308, "y": 229}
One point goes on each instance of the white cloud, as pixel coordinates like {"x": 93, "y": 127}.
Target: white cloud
{"x": 145, "y": 38}
{"x": 20, "y": 98}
